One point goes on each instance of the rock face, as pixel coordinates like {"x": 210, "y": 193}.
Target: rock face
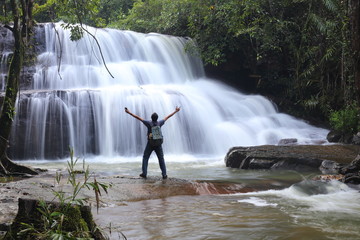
{"x": 6, "y": 51}
{"x": 351, "y": 171}
{"x": 346, "y": 138}
{"x": 327, "y": 158}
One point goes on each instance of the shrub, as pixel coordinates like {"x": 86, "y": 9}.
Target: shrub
{"x": 345, "y": 120}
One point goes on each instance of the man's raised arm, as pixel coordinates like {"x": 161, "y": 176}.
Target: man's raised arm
{"x": 135, "y": 116}
{"x": 172, "y": 114}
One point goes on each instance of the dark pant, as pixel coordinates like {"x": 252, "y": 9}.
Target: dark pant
{"x": 160, "y": 155}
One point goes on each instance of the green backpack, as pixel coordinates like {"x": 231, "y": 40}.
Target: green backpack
{"x": 155, "y": 136}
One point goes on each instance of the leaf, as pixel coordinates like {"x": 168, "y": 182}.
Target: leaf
{"x": 56, "y": 214}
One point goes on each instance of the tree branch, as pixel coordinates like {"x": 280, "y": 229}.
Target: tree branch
{"x": 97, "y": 43}
{"x": 60, "y": 57}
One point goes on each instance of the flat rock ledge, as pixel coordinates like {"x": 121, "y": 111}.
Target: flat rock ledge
{"x": 326, "y": 158}
{"x": 124, "y": 188}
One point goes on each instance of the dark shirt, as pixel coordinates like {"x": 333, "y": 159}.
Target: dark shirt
{"x": 149, "y": 124}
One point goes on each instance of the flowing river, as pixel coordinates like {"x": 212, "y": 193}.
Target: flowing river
{"x": 284, "y": 205}
{"x": 75, "y": 102}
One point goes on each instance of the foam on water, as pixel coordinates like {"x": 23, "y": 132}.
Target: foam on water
{"x": 314, "y": 196}
{"x": 257, "y": 202}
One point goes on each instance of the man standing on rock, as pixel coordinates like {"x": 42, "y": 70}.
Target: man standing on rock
{"x": 154, "y": 142}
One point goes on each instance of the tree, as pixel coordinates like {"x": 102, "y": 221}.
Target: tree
{"x": 299, "y": 50}
{"x": 21, "y": 29}
{"x": 110, "y": 10}
{"x": 355, "y": 42}
{"x": 18, "y": 18}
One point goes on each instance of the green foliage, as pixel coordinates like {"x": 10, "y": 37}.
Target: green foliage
{"x": 70, "y": 11}
{"x": 149, "y": 20}
{"x": 201, "y": 20}
{"x": 74, "y": 13}
{"x": 10, "y": 113}
{"x": 56, "y": 222}
{"x": 6, "y": 179}
{"x": 76, "y": 31}
{"x": 300, "y": 49}
{"x": 346, "y": 120}
{"x": 65, "y": 221}
{"x": 78, "y": 186}
{"x": 110, "y": 10}
{"x": 5, "y": 13}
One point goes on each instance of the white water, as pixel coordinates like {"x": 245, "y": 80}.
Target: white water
{"x": 6, "y": 39}
{"x": 79, "y": 104}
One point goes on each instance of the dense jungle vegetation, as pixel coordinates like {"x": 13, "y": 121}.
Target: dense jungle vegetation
{"x": 297, "y": 52}
{"x": 302, "y": 54}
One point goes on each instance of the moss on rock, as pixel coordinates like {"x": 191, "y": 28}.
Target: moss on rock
{"x": 40, "y": 220}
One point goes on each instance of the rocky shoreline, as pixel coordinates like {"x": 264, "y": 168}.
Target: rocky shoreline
{"x": 329, "y": 159}
{"x": 123, "y": 188}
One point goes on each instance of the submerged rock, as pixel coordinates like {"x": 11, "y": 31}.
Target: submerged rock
{"x": 288, "y": 141}
{"x": 327, "y": 158}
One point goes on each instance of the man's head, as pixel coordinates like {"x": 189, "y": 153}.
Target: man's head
{"x": 154, "y": 117}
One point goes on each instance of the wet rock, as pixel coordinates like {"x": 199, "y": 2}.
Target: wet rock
{"x": 347, "y": 138}
{"x": 334, "y": 136}
{"x": 328, "y": 177}
{"x": 298, "y": 164}
{"x": 327, "y": 158}
{"x": 260, "y": 163}
{"x": 234, "y": 158}
{"x": 351, "y": 172}
{"x": 356, "y": 139}
{"x": 353, "y": 167}
{"x": 36, "y": 46}
{"x": 328, "y": 166}
{"x": 288, "y": 141}
{"x": 7, "y": 200}
{"x": 352, "y": 178}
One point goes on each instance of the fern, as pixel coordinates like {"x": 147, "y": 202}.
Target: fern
{"x": 331, "y": 5}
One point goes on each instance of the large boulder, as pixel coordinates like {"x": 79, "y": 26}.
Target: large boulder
{"x": 327, "y": 158}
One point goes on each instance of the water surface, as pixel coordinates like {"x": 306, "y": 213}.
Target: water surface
{"x": 286, "y": 204}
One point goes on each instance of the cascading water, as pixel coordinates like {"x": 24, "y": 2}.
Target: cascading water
{"x": 6, "y": 41}
{"x": 75, "y": 101}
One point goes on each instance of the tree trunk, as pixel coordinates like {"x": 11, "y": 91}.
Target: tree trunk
{"x": 355, "y": 42}
{"x": 77, "y": 219}
{"x": 20, "y": 33}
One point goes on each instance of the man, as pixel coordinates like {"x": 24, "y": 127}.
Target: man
{"x": 149, "y": 147}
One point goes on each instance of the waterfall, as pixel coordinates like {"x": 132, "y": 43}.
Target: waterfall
{"x": 75, "y": 102}
{"x": 6, "y": 42}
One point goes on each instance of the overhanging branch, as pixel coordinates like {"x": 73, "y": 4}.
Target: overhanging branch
{"x": 97, "y": 43}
